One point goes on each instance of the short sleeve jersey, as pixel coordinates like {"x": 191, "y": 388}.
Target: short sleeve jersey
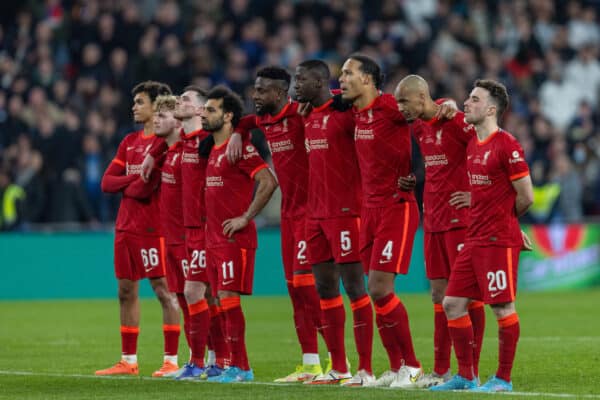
{"x": 171, "y": 209}
{"x": 193, "y": 171}
{"x": 229, "y": 190}
{"x": 285, "y": 137}
{"x": 383, "y": 148}
{"x": 137, "y": 216}
{"x": 334, "y": 175}
{"x": 443, "y": 145}
{"x": 492, "y": 165}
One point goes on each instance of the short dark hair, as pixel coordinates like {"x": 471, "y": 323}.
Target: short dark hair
{"x": 369, "y": 67}
{"x": 152, "y": 88}
{"x": 498, "y": 93}
{"x": 318, "y": 66}
{"x": 275, "y": 73}
{"x": 231, "y": 102}
{"x": 201, "y": 93}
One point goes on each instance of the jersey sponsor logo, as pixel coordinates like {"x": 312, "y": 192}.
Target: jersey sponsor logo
{"x": 166, "y": 177}
{"x": 435, "y": 160}
{"x": 191, "y": 158}
{"x": 283, "y": 145}
{"x": 481, "y": 180}
{"x": 516, "y": 157}
{"x": 212, "y": 181}
{"x": 318, "y": 144}
{"x": 363, "y": 134}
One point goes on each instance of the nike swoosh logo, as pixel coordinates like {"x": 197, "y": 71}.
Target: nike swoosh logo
{"x": 225, "y": 283}
{"x": 130, "y": 147}
{"x": 495, "y": 294}
{"x": 303, "y": 262}
{"x": 384, "y": 261}
{"x": 195, "y": 271}
{"x": 345, "y": 253}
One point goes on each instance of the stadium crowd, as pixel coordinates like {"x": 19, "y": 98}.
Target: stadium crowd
{"x": 67, "y": 69}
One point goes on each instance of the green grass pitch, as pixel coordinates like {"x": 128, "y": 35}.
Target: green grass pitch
{"x": 50, "y": 350}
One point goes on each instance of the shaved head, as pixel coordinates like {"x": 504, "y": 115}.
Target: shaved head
{"x": 412, "y": 83}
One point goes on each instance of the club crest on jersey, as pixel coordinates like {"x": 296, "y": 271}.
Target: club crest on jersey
{"x": 369, "y": 116}
{"x": 486, "y": 155}
{"x": 438, "y": 137}
{"x": 307, "y": 145}
{"x": 285, "y": 125}
{"x": 325, "y": 120}
{"x": 174, "y": 159}
{"x": 219, "y": 158}
{"x": 147, "y": 149}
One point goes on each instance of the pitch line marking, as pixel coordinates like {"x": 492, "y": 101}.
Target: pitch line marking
{"x": 57, "y": 375}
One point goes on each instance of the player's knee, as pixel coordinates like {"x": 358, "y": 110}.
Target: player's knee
{"x": 126, "y": 293}
{"x": 452, "y": 308}
{"x": 326, "y": 290}
{"x": 355, "y": 290}
{"x": 437, "y": 296}
{"x": 377, "y": 290}
{"x": 193, "y": 294}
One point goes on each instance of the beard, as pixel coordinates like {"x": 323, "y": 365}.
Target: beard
{"x": 213, "y": 127}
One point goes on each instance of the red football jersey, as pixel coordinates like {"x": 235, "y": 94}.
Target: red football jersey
{"x": 136, "y": 216}
{"x": 285, "y": 137}
{"x": 229, "y": 190}
{"x": 492, "y": 165}
{"x": 383, "y": 147}
{"x": 333, "y": 173}
{"x": 171, "y": 210}
{"x": 193, "y": 175}
{"x": 443, "y": 145}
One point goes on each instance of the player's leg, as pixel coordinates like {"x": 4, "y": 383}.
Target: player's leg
{"x": 333, "y": 314}
{"x": 392, "y": 249}
{"x": 129, "y": 307}
{"x": 198, "y": 310}
{"x": 171, "y": 327}
{"x": 498, "y": 283}
{"x": 462, "y": 286}
{"x": 235, "y": 276}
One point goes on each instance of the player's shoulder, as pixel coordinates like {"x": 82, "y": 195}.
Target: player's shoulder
{"x": 506, "y": 137}
{"x": 386, "y": 100}
{"x": 131, "y": 136}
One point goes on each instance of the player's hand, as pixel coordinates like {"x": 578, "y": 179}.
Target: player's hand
{"x": 233, "y": 152}
{"x": 233, "y": 225}
{"x": 447, "y": 110}
{"x": 304, "y": 109}
{"x": 147, "y": 166}
{"x": 460, "y": 200}
{"x": 527, "y": 243}
{"x": 407, "y": 183}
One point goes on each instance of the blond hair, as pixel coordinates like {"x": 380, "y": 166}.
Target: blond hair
{"x": 165, "y": 103}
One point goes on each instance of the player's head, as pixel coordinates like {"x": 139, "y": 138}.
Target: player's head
{"x": 222, "y": 108}
{"x": 412, "y": 93}
{"x": 164, "y": 115}
{"x": 359, "y": 74}
{"x": 270, "y": 89}
{"x": 310, "y": 79}
{"x": 190, "y": 103}
{"x": 144, "y": 95}
{"x": 488, "y": 99}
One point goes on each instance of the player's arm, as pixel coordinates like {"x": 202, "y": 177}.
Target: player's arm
{"x": 157, "y": 150}
{"x": 447, "y": 110}
{"x": 266, "y": 185}
{"x": 142, "y": 189}
{"x": 114, "y": 179}
{"x": 233, "y": 152}
{"x": 524, "y": 190}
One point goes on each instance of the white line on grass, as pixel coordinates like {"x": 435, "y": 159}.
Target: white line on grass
{"x": 57, "y": 375}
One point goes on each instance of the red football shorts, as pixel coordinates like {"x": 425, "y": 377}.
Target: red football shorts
{"x": 485, "y": 273}
{"x": 293, "y": 246}
{"x": 138, "y": 257}
{"x": 333, "y": 238}
{"x": 387, "y": 235}
{"x": 176, "y": 262}
{"x": 232, "y": 269}
{"x": 441, "y": 249}
{"x": 195, "y": 268}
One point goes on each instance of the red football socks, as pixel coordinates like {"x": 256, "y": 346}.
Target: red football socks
{"x": 235, "y": 326}
{"x": 217, "y": 339}
{"x": 477, "y": 315}
{"x": 508, "y": 335}
{"x": 461, "y": 332}
{"x": 171, "y": 335}
{"x": 186, "y": 317}
{"x": 441, "y": 341}
{"x": 334, "y": 319}
{"x": 129, "y": 336}
{"x": 200, "y": 322}
{"x": 363, "y": 331}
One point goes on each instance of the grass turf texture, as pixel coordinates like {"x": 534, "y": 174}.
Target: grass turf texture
{"x": 50, "y": 350}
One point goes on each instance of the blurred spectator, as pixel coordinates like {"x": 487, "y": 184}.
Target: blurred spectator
{"x": 570, "y": 198}
{"x": 12, "y": 198}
